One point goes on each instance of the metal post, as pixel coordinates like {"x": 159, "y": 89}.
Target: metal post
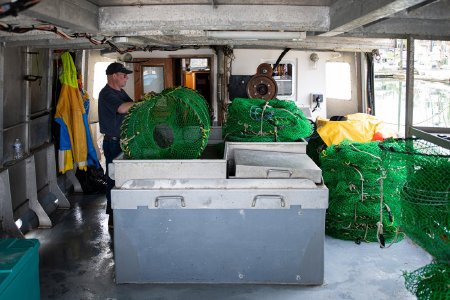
{"x": 27, "y": 94}
{"x": 2, "y": 92}
{"x": 363, "y": 80}
{"x": 409, "y": 107}
{"x": 399, "y": 106}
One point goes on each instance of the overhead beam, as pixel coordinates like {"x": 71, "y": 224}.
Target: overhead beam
{"x": 437, "y": 10}
{"x": 401, "y": 28}
{"x": 129, "y": 19}
{"x": 310, "y": 43}
{"x": 217, "y": 2}
{"x": 76, "y": 15}
{"x": 347, "y": 15}
{"x": 317, "y": 43}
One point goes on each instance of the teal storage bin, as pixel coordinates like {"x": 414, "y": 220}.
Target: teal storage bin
{"x": 19, "y": 269}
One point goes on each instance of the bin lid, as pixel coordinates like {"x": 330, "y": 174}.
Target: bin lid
{"x": 274, "y": 164}
{"x": 14, "y": 255}
{"x": 285, "y": 147}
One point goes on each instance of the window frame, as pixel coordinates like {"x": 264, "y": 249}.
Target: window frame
{"x": 337, "y": 96}
{"x": 293, "y": 95}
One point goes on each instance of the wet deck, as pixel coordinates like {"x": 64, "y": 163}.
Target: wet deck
{"x": 77, "y": 262}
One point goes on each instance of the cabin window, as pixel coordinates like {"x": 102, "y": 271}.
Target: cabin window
{"x": 338, "y": 80}
{"x": 153, "y": 79}
{"x": 152, "y": 75}
{"x": 198, "y": 64}
{"x": 431, "y": 87}
{"x": 284, "y": 76}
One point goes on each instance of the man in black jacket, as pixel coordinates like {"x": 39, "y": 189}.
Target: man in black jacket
{"x": 113, "y": 104}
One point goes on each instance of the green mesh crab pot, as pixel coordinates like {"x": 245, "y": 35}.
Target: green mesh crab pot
{"x": 258, "y": 120}
{"x": 174, "y": 124}
{"x": 424, "y": 193}
{"x": 360, "y": 208}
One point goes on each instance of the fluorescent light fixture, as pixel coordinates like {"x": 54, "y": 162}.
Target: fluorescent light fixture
{"x": 257, "y": 35}
{"x": 120, "y": 39}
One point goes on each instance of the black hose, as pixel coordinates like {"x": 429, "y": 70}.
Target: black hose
{"x": 280, "y": 58}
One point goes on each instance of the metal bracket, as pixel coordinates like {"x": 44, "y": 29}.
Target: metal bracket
{"x": 52, "y": 181}
{"x": 31, "y": 193}
{"x": 7, "y": 223}
{"x": 73, "y": 179}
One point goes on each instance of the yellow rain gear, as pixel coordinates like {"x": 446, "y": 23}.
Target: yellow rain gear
{"x": 69, "y": 114}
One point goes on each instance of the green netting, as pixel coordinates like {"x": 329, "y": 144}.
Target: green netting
{"x": 174, "y": 124}
{"x": 357, "y": 207}
{"x": 424, "y": 192}
{"x": 258, "y": 120}
{"x": 431, "y": 282}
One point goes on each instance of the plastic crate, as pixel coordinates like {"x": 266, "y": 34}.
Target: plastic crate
{"x": 19, "y": 269}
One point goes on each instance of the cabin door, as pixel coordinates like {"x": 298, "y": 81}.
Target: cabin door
{"x": 152, "y": 75}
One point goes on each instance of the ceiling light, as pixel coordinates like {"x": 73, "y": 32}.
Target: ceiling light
{"x": 119, "y": 39}
{"x": 257, "y": 35}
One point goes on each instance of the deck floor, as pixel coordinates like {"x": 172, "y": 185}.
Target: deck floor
{"x": 77, "y": 262}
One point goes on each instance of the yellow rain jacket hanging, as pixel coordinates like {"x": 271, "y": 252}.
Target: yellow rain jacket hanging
{"x": 75, "y": 138}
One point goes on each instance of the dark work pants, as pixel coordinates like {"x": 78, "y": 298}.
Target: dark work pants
{"x": 111, "y": 149}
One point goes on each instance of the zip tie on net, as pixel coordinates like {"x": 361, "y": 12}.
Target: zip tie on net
{"x": 380, "y": 236}
{"x": 262, "y": 117}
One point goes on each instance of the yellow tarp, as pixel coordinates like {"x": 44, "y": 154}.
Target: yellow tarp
{"x": 358, "y": 127}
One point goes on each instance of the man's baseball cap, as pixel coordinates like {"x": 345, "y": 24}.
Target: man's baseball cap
{"x": 116, "y": 67}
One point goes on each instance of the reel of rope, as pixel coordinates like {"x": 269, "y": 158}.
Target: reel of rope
{"x": 174, "y": 124}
